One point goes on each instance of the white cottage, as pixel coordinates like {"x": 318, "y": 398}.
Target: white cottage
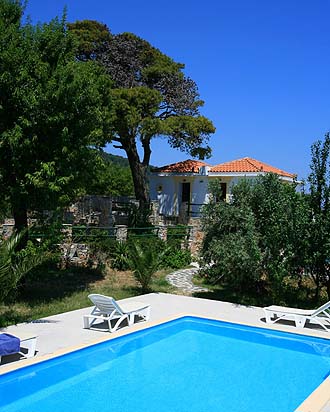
{"x": 183, "y": 187}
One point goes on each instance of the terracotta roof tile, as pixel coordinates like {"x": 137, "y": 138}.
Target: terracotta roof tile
{"x": 248, "y": 165}
{"x": 187, "y": 166}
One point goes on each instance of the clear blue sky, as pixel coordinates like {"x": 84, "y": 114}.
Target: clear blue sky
{"x": 262, "y": 68}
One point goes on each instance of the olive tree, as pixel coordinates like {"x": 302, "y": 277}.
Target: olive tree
{"x": 230, "y": 248}
{"x": 261, "y": 235}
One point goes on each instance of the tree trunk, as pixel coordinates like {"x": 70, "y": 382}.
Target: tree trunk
{"x": 139, "y": 173}
{"x": 20, "y": 217}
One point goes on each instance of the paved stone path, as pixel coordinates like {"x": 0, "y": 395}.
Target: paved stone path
{"x": 182, "y": 279}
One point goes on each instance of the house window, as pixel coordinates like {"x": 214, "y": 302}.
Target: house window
{"x": 185, "y": 195}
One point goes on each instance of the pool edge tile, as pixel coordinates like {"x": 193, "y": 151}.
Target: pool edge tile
{"x": 318, "y": 400}
{"x": 109, "y": 336}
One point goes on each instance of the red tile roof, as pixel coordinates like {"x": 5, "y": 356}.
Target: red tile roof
{"x": 248, "y": 165}
{"x": 187, "y": 166}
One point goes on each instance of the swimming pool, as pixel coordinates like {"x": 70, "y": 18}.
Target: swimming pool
{"x": 189, "y": 364}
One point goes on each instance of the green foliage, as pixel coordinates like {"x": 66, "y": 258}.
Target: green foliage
{"x": 106, "y": 248}
{"x": 230, "y": 248}
{"x": 280, "y": 221}
{"x": 14, "y": 265}
{"x": 175, "y": 257}
{"x": 177, "y": 233}
{"x": 10, "y": 12}
{"x": 52, "y": 110}
{"x": 47, "y": 231}
{"x": 110, "y": 178}
{"x": 144, "y": 262}
{"x": 120, "y": 256}
{"x": 152, "y": 98}
{"x": 4, "y": 208}
{"x": 171, "y": 252}
{"x": 92, "y": 35}
{"x": 138, "y": 217}
{"x": 318, "y": 247}
{"x": 114, "y": 159}
{"x": 177, "y": 254}
{"x": 257, "y": 239}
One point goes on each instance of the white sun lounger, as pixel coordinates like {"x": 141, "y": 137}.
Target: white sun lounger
{"x": 320, "y": 316}
{"x": 28, "y": 344}
{"x": 107, "y": 309}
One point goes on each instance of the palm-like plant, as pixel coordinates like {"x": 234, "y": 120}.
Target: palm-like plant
{"x": 144, "y": 263}
{"x": 13, "y": 265}
{"x": 120, "y": 259}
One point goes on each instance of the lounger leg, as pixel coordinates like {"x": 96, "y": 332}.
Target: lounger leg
{"x": 147, "y": 313}
{"x": 131, "y": 318}
{"x": 90, "y": 320}
{"x": 30, "y": 345}
{"x": 86, "y": 322}
{"x": 268, "y": 316}
{"x": 113, "y": 329}
{"x": 144, "y": 314}
{"x": 300, "y": 321}
{"x": 321, "y": 324}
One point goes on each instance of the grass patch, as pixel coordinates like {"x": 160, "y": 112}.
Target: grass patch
{"x": 58, "y": 291}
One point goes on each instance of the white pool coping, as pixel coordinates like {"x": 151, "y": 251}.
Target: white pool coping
{"x": 64, "y": 332}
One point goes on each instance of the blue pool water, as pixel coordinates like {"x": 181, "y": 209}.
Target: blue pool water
{"x": 186, "y": 365}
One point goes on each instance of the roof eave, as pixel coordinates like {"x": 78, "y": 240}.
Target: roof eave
{"x": 248, "y": 174}
{"x": 221, "y": 174}
{"x": 173, "y": 174}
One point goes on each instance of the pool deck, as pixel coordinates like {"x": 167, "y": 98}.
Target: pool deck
{"x": 64, "y": 332}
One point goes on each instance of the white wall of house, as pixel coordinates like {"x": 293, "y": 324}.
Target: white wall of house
{"x": 198, "y": 194}
{"x": 164, "y": 190}
{"x": 199, "y": 190}
{"x": 167, "y": 190}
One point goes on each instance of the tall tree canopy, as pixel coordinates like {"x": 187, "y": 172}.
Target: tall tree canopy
{"x": 52, "y": 110}
{"x": 152, "y": 98}
{"x": 93, "y": 37}
{"x": 318, "y": 256}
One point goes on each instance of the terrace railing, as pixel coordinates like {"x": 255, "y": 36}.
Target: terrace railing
{"x": 194, "y": 209}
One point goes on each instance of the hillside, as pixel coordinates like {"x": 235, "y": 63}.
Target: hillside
{"x": 117, "y": 160}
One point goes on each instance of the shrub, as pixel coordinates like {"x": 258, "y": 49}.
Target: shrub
{"x": 175, "y": 257}
{"x": 14, "y": 265}
{"x": 120, "y": 256}
{"x": 119, "y": 253}
{"x": 144, "y": 262}
{"x": 230, "y": 249}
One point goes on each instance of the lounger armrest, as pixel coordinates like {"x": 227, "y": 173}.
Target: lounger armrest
{"x": 294, "y": 311}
